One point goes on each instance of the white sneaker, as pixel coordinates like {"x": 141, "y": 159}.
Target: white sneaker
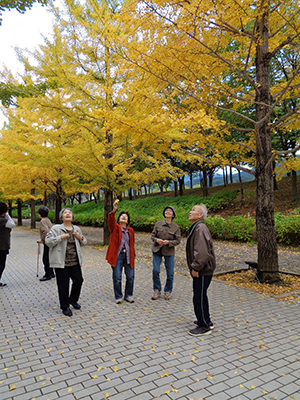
{"x": 156, "y": 294}
{"x": 118, "y": 301}
{"x": 168, "y": 295}
{"x": 129, "y": 299}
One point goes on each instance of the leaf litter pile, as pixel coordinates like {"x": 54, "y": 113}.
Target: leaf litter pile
{"x": 286, "y": 289}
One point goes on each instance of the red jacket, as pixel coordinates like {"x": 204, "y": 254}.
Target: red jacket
{"x": 115, "y": 240}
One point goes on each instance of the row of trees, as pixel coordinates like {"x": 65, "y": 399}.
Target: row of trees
{"x": 129, "y": 91}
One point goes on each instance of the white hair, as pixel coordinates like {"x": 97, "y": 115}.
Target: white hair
{"x": 203, "y": 210}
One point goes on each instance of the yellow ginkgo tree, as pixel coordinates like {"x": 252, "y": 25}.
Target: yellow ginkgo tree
{"x": 221, "y": 59}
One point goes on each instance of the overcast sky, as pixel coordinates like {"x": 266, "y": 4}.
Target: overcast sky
{"x": 24, "y": 31}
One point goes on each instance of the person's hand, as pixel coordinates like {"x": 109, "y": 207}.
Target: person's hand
{"x": 39, "y": 241}
{"x": 77, "y": 235}
{"x": 195, "y": 274}
{"x": 160, "y": 241}
{"x": 165, "y": 242}
{"x": 65, "y": 236}
{"x": 116, "y": 205}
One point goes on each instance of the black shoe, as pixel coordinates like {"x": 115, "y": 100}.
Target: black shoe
{"x": 2, "y": 284}
{"x": 45, "y": 278}
{"x": 67, "y": 312}
{"x": 200, "y": 331}
{"x": 52, "y": 276}
{"x": 211, "y": 325}
{"x": 75, "y": 305}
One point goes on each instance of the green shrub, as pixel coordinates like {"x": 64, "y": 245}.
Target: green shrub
{"x": 287, "y": 228}
{"x": 144, "y": 213}
{"x": 240, "y": 229}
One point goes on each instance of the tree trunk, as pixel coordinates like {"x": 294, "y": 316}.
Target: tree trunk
{"x": 129, "y": 194}
{"x": 210, "y": 177}
{"x": 242, "y": 188}
{"x": 265, "y": 223}
{"x": 19, "y": 205}
{"x": 294, "y": 186}
{"x": 161, "y": 188}
{"x": 204, "y": 183}
{"x": 175, "y": 188}
{"x": 108, "y": 207}
{"x": 275, "y": 186}
{"x": 58, "y": 201}
{"x": 10, "y": 207}
{"x": 231, "y": 179}
{"x": 191, "y": 180}
{"x": 45, "y": 198}
{"x": 181, "y": 185}
{"x": 32, "y": 207}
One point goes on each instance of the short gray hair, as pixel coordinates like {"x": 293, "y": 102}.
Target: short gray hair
{"x": 62, "y": 211}
{"x": 203, "y": 210}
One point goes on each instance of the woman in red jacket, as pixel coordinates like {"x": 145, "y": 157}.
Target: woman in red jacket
{"x": 120, "y": 253}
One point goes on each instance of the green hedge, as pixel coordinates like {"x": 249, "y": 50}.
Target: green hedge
{"x": 144, "y": 213}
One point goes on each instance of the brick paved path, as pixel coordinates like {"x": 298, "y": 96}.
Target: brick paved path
{"x": 140, "y": 351}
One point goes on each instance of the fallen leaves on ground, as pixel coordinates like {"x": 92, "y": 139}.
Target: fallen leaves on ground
{"x": 287, "y": 285}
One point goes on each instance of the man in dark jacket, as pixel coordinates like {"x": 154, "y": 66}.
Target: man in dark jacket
{"x": 6, "y": 224}
{"x": 202, "y": 263}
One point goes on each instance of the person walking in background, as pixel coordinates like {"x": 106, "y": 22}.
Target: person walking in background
{"x": 121, "y": 254}
{"x": 6, "y": 225}
{"x": 45, "y": 227}
{"x": 201, "y": 261}
{"x": 165, "y": 236}
{"x": 65, "y": 241}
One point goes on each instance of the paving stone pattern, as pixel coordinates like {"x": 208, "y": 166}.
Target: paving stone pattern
{"x": 140, "y": 351}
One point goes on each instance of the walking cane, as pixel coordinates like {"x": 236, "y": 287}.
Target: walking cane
{"x": 38, "y": 259}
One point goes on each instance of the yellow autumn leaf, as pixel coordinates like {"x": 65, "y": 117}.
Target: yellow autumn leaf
{"x": 115, "y": 369}
{"x": 70, "y": 390}
{"x": 12, "y": 387}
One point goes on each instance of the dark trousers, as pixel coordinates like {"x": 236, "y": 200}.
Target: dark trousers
{"x": 200, "y": 300}
{"x": 48, "y": 270}
{"x": 3, "y": 255}
{"x": 63, "y": 276}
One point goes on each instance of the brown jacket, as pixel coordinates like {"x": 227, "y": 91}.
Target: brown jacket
{"x": 200, "y": 253}
{"x": 165, "y": 231}
{"x": 45, "y": 227}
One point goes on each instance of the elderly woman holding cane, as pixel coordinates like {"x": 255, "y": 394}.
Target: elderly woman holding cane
{"x": 65, "y": 241}
{"x": 120, "y": 253}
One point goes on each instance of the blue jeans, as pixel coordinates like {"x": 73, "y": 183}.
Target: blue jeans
{"x": 200, "y": 300}
{"x": 117, "y": 277}
{"x": 169, "y": 264}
